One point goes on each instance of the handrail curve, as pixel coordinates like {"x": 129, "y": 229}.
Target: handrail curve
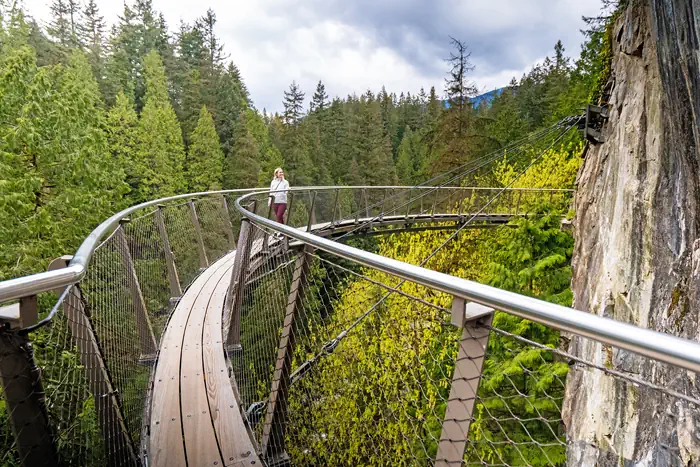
{"x": 657, "y": 345}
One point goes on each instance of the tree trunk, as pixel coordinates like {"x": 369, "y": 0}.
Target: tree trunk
{"x": 637, "y": 253}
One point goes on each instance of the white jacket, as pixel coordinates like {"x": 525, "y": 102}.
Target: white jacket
{"x": 280, "y": 196}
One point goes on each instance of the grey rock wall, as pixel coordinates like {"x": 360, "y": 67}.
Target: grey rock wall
{"x": 637, "y": 253}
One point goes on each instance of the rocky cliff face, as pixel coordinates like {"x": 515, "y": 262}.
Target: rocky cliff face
{"x": 637, "y": 254}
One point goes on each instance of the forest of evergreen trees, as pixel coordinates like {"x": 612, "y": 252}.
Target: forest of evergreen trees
{"x": 94, "y": 120}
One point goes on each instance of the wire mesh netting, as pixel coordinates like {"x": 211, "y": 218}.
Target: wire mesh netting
{"x": 85, "y": 370}
{"x": 374, "y": 388}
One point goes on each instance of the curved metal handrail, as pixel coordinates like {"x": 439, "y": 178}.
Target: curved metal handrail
{"x": 659, "y": 346}
{"x": 20, "y": 287}
{"x": 13, "y": 289}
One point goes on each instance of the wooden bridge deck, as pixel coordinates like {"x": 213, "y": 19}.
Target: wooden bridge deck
{"x": 195, "y": 419}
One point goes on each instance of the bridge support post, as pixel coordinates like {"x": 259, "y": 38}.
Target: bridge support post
{"x": 335, "y": 207}
{"x": 143, "y": 323}
{"x": 24, "y": 396}
{"x": 228, "y": 227}
{"x": 118, "y": 444}
{"x": 312, "y": 212}
{"x": 234, "y": 297}
{"x": 474, "y": 320}
{"x": 272, "y": 445}
{"x": 173, "y": 277}
{"x": 203, "y": 260}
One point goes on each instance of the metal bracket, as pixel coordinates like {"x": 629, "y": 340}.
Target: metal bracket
{"x": 464, "y": 312}
{"x": 596, "y": 115}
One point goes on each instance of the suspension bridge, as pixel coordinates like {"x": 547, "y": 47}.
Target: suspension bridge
{"x": 193, "y": 330}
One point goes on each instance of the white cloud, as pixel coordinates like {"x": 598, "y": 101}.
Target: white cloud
{"x": 365, "y": 44}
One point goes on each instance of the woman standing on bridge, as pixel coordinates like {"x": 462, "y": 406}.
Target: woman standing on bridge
{"x": 278, "y": 194}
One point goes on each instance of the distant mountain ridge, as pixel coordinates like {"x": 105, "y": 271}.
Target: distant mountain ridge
{"x": 486, "y": 97}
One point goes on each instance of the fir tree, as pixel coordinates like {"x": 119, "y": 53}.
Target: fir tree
{"x": 58, "y": 182}
{"x": 205, "y": 159}
{"x": 92, "y": 35}
{"x": 411, "y": 158}
{"x": 319, "y": 102}
{"x": 122, "y": 136}
{"x": 293, "y": 104}
{"x": 232, "y": 98}
{"x": 241, "y": 165}
{"x": 64, "y": 22}
{"x": 160, "y": 156}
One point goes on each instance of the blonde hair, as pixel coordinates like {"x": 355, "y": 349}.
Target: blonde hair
{"x": 277, "y": 170}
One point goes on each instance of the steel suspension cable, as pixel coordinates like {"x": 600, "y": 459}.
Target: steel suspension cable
{"x": 482, "y": 161}
{"x": 331, "y": 345}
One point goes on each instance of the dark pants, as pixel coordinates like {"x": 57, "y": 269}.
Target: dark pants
{"x": 278, "y": 209}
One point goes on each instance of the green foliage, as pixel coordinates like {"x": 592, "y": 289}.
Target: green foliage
{"x": 56, "y": 181}
{"x": 205, "y": 159}
{"x": 160, "y": 155}
{"x": 241, "y": 167}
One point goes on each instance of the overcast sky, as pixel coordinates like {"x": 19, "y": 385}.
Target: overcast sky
{"x": 355, "y": 45}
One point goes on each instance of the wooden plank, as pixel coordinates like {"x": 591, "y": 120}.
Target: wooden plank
{"x": 166, "y": 446}
{"x": 232, "y": 435}
{"x": 201, "y": 447}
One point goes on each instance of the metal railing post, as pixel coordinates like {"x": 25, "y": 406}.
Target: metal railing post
{"x": 24, "y": 396}
{"x": 288, "y": 219}
{"x": 517, "y": 203}
{"x": 203, "y": 260}
{"x": 312, "y": 212}
{"x": 265, "y": 246}
{"x": 474, "y": 320}
{"x": 272, "y": 445}
{"x": 335, "y": 206}
{"x": 228, "y": 227}
{"x": 143, "y": 323}
{"x": 408, "y": 205}
{"x": 173, "y": 277}
{"x": 381, "y": 209}
{"x": 364, "y": 195}
{"x": 289, "y": 208}
{"x": 234, "y": 297}
{"x": 118, "y": 442}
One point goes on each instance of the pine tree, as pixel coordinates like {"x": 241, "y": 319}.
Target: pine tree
{"x": 319, "y": 102}
{"x": 205, "y": 159}
{"x": 293, "y": 104}
{"x": 232, "y": 98}
{"x": 122, "y": 137}
{"x": 58, "y": 181}
{"x": 373, "y": 148}
{"x": 64, "y": 27}
{"x": 92, "y": 36}
{"x": 242, "y": 166}
{"x": 160, "y": 154}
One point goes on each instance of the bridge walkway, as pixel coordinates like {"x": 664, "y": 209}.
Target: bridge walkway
{"x": 195, "y": 417}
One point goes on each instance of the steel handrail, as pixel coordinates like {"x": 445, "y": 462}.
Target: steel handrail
{"x": 653, "y": 344}
{"x": 13, "y": 289}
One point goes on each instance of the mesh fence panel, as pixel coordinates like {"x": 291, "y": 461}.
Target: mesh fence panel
{"x": 145, "y": 245}
{"x": 95, "y": 355}
{"x": 183, "y": 241}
